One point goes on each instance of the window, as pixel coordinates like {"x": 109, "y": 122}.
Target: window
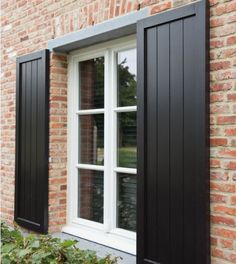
{"x": 102, "y": 144}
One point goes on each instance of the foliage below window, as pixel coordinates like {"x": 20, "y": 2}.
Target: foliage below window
{"x": 44, "y": 249}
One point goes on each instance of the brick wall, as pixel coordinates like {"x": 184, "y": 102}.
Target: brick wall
{"x": 223, "y": 130}
{"x": 26, "y": 26}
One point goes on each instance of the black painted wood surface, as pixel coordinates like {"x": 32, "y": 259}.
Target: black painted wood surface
{"x": 173, "y": 191}
{"x": 32, "y": 133}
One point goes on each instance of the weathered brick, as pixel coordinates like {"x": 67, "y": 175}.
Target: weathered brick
{"x": 218, "y": 198}
{"x": 220, "y": 87}
{"x": 224, "y": 120}
{"x": 160, "y": 7}
{"x": 222, "y": 187}
{"x": 214, "y": 142}
{"x": 223, "y": 232}
{"x": 226, "y": 243}
{"x": 222, "y": 220}
{"x": 27, "y": 27}
{"x": 214, "y": 66}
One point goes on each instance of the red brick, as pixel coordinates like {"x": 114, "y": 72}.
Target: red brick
{"x": 230, "y": 131}
{"x": 222, "y": 220}
{"x": 224, "y": 255}
{"x": 220, "y": 109}
{"x": 222, "y": 187}
{"x": 221, "y": 9}
{"x": 215, "y": 66}
{"x": 230, "y": 165}
{"x": 215, "y": 131}
{"x": 225, "y": 210}
{"x": 226, "y": 233}
{"x": 231, "y": 40}
{"x": 214, "y": 241}
{"x": 226, "y": 243}
{"x": 216, "y": 22}
{"x": 227, "y": 153}
{"x": 214, "y": 163}
{"x": 215, "y": 142}
{"x": 233, "y": 200}
{"x": 231, "y": 6}
{"x": 231, "y": 18}
{"x": 218, "y": 198}
{"x": 160, "y": 7}
{"x": 231, "y": 97}
{"x": 220, "y": 87}
{"x": 216, "y": 43}
{"x": 219, "y": 175}
{"x": 216, "y": 97}
{"x": 221, "y": 120}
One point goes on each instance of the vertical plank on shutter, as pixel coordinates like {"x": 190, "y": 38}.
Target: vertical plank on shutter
{"x": 163, "y": 144}
{"x": 151, "y": 182}
{"x": 176, "y": 141}
{"x": 189, "y": 141}
{"x": 34, "y": 103}
{"x": 27, "y": 176}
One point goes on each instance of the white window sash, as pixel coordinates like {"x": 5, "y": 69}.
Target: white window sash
{"x": 110, "y": 168}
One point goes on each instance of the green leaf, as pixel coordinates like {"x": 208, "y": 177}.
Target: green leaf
{"x": 17, "y": 248}
{"x": 68, "y": 243}
{"x": 22, "y": 253}
{"x": 5, "y": 260}
{"x": 38, "y": 257}
{"x": 7, "y": 248}
{"x": 35, "y": 244}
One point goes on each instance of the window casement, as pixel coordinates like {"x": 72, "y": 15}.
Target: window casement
{"x": 102, "y": 144}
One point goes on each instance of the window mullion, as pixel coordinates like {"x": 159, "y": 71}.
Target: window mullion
{"x": 114, "y": 139}
{"x": 107, "y": 142}
{"x": 110, "y": 142}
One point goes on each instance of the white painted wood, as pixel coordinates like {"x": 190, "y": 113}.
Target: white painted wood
{"x": 125, "y": 170}
{"x": 90, "y": 167}
{"x": 90, "y": 111}
{"x": 125, "y": 109}
{"x": 108, "y": 239}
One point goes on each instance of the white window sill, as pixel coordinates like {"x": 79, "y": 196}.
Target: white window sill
{"x": 107, "y": 239}
{"x": 101, "y": 250}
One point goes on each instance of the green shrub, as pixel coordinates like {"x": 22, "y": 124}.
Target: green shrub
{"x": 44, "y": 249}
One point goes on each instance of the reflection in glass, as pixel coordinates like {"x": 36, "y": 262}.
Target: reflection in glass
{"x": 90, "y": 200}
{"x": 127, "y": 150}
{"x": 91, "y": 139}
{"x": 91, "y": 90}
{"x": 126, "y": 78}
{"x": 126, "y": 204}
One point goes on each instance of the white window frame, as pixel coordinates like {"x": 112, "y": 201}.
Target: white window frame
{"x": 105, "y": 233}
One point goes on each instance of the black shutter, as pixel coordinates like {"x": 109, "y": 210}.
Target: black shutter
{"x": 31, "y": 187}
{"x": 173, "y": 224}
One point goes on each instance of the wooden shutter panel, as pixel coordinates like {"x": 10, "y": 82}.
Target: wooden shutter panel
{"x": 173, "y": 200}
{"x": 31, "y": 187}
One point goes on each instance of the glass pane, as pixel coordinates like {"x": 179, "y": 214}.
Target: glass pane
{"x": 90, "y": 195}
{"x": 126, "y": 204}
{"x": 126, "y": 77}
{"x": 91, "y": 76}
{"x": 91, "y": 139}
{"x": 127, "y": 150}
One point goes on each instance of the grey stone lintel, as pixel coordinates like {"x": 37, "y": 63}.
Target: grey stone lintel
{"x": 108, "y": 30}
